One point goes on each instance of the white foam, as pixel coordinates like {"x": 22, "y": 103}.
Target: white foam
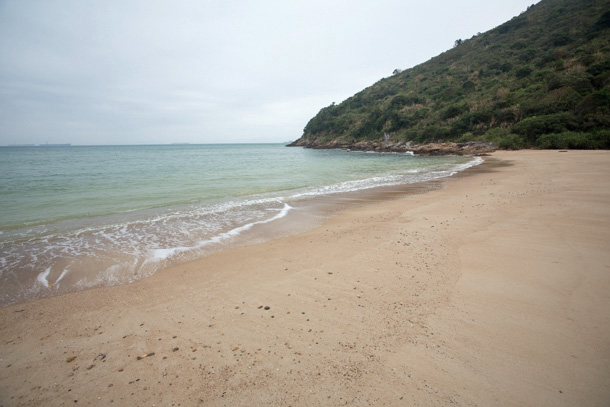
{"x": 237, "y": 231}
{"x": 162, "y": 254}
{"x": 63, "y": 273}
{"x": 42, "y": 277}
{"x": 157, "y": 255}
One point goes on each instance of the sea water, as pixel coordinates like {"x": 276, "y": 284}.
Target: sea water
{"x": 78, "y": 217}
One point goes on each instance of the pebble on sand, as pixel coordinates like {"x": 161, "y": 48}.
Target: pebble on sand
{"x": 145, "y": 355}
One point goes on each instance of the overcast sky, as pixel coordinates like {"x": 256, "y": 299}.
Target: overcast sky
{"x": 150, "y": 72}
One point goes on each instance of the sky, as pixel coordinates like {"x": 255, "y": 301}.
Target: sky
{"x": 187, "y": 71}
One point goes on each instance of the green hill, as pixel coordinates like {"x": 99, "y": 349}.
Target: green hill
{"x": 541, "y": 79}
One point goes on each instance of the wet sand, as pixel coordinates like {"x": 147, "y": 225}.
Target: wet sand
{"x": 493, "y": 290}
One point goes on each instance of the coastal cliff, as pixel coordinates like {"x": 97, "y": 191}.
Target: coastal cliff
{"x": 540, "y": 80}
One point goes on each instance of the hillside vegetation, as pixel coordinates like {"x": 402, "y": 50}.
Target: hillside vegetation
{"x": 541, "y": 79}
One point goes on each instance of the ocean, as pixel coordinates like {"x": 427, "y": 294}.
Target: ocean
{"x": 77, "y": 217}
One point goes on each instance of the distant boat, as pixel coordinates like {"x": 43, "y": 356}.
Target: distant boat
{"x": 54, "y": 145}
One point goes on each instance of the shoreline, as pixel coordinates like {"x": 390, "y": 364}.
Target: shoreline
{"x": 490, "y": 291}
{"x": 99, "y": 266}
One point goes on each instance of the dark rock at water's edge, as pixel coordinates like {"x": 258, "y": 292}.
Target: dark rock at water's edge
{"x": 471, "y": 148}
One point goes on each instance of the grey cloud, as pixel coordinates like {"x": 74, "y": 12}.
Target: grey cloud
{"x": 136, "y": 71}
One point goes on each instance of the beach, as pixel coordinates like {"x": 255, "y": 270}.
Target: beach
{"x": 492, "y": 290}
{"x": 82, "y": 217}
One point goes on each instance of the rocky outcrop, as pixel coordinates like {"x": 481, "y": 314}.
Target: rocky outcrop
{"x": 473, "y": 148}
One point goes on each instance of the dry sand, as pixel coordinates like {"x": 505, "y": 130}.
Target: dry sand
{"x": 492, "y": 291}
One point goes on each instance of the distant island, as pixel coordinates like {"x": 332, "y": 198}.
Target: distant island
{"x": 540, "y": 80}
{"x": 40, "y": 145}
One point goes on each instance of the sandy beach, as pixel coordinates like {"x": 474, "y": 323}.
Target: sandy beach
{"x": 493, "y": 290}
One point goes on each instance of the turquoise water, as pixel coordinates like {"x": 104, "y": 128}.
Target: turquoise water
{"x": 83, "y": 216}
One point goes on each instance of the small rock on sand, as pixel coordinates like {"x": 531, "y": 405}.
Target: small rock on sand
{"x": 145, "y": 355}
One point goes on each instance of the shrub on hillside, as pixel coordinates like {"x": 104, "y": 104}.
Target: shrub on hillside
{"x": 453, "y": 111}
{"x": 535, "y": 126}
{"x": 512, "y": 142}
{"x": 523, "y": 72}
{"x": 572, "y": 140}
